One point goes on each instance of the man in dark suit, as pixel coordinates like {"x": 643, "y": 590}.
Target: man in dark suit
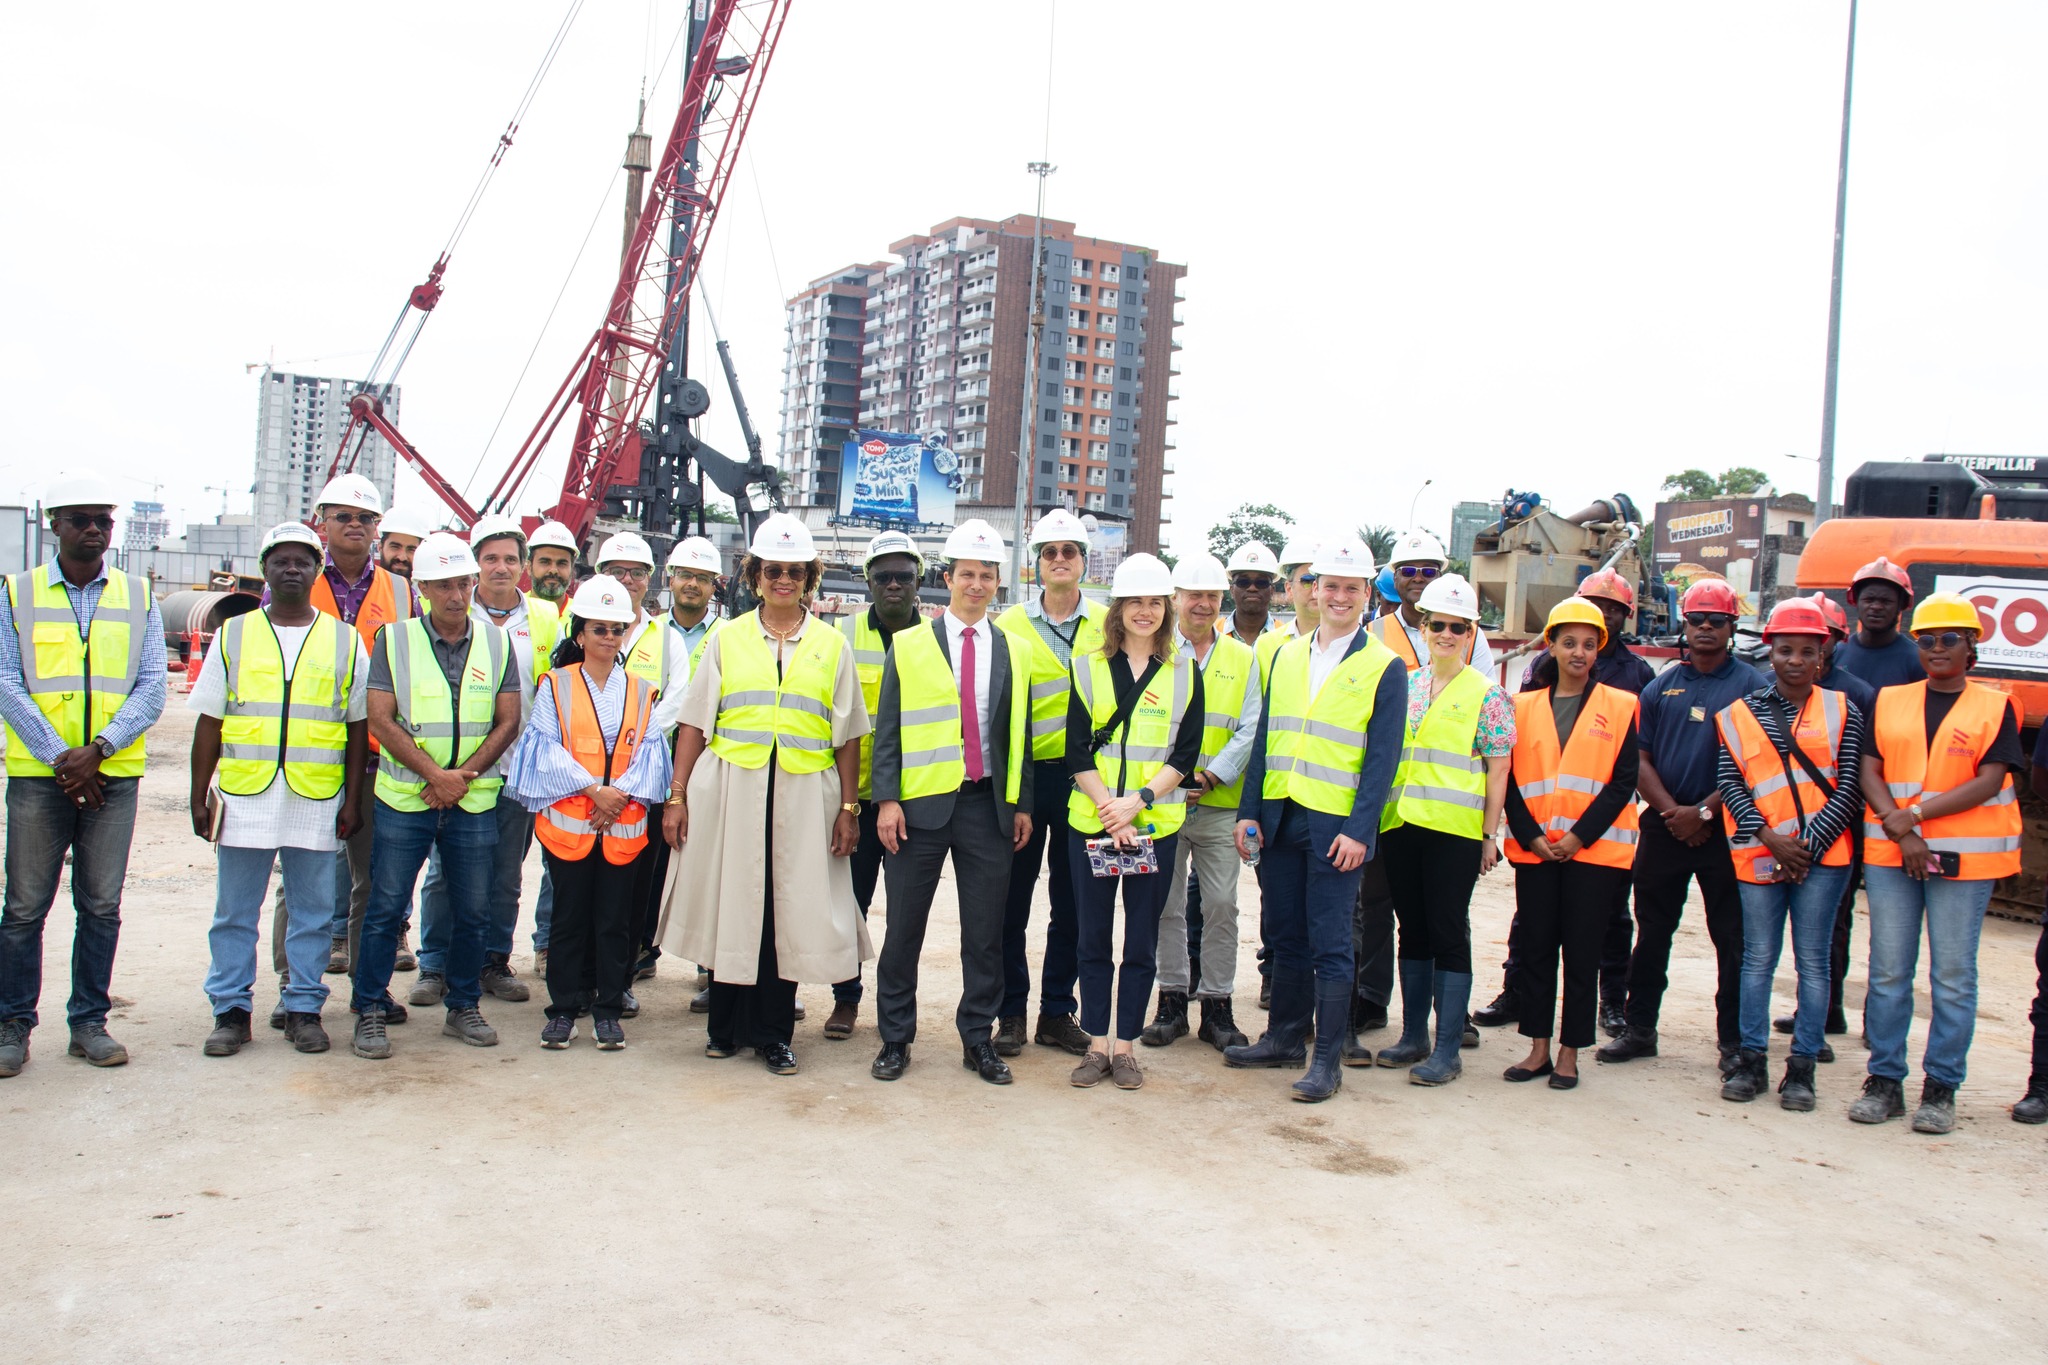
{"x": 951, "y": 774}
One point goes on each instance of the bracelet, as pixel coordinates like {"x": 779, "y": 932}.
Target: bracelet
{"x": 675, "y": 799}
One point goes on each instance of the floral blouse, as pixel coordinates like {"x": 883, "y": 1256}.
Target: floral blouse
{"x": 1496, "y": 735}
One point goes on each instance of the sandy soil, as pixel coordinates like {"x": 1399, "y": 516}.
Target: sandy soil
{"x": 516, "y": 1204}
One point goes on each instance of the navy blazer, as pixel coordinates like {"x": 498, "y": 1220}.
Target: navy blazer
{"x": 1384, "y": 735}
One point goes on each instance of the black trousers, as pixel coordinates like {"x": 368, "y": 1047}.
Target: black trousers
{"x": 1845, "y": 920}
{"x": 1664, "y": 869}
{"x": 867, "y": 870}
{"x": 647, "y": 895}
{"x": 1616, "y": 948}
{"x": 1430, "y": 875}
{"x": 1372, "y": 931}
{"x": 591, "y": 941}
{"x": 2039, "y": 1014}
{"x": 764, "y": 1012}
{"x": 1565, "y": 909}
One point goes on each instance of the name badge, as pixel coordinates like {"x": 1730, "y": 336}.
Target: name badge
{"x": 1698, "y": 713}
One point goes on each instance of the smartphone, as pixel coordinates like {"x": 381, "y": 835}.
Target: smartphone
{"x": 1766, "y": 869}
{"x": 1946, "y": 863}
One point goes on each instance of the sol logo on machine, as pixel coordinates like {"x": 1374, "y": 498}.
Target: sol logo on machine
{"x": 2012, "y": 614}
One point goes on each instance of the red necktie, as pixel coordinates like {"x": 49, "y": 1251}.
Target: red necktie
{"x": 970, "y": 718}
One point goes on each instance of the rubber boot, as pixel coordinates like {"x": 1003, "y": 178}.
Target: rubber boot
{"x": 1453, "y": 994}
{"x": 1287, "y": 1023}
{"x": 1418, "y": 991}
{"x": 1325, "y": 1069}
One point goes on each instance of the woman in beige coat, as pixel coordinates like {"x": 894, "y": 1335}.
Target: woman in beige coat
{"x": 767, "y": 760}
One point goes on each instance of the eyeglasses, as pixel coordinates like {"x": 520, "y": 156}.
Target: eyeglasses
{"x": 1453, "y": 627}
{"x": 889, "y": 578}
{"x": 79, "y": 521}
{"x": 1252, "y": 582}
{"x": 1059, "y": 550}
{"x": 1948, "y": 639}
{"x": 795, "y": 572}
{"x": 623, "y": 572}
{"x": 1716, "y": 619}
{"x": 1418, "y": 571}
{"x": 353, "y": 518}
{"x": 605, "y": 631}
{"x": 697, "y": 576}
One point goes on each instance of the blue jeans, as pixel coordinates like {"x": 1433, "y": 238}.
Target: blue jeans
{"x": 41, "y": 823}
{"x": 544, "y": 909}
{"x": 1305, "y": 902}
{"x": 1953, "y": 911}
{"x": 467, "y": 842}
{"x": 515, "y": 836}
{"x": 242, "y": 876}
{"x": 1811, "y": 907}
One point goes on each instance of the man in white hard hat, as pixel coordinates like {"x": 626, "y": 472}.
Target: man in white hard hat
{"x": 81, "y": 679}
{"x": 951, "y": 775}
{"x": 532, "y": 627}
{"x": 552, "y": 548}
{"x": 1297, "y": 574}
{"x": 893, "y": 568}
{"x": 1253, "y": 573}
{"x": 1417, "y": 559}
{"x": 1322, "y": 765}
{"x": 1231, "y": 703}
{"x": 444, "y": 704}
{"x": 399, "y": 534}
{"x": 1052, "y": 625}
{"x": 694, "y": 575}
{"x": 288, "y": 792}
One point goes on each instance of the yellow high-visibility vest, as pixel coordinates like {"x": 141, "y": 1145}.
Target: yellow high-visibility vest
{"x": 1050, "y": 683}
{"x": 1440, "y": 784}
{"x": 929, "y": 714}
{"x": 1315, "y": 750}
{"x": 440, "y": 722}
{"x": 297, "y": 727}
{"x": 1132, "y": 755}
{"x": 1224, "y": 679}
{"x": 870, "y": 652}
{"x": 759, "y": 713}
{"x": 78, "y": 683}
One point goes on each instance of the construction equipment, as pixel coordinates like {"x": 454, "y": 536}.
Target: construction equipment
{"x": 1531, "y": 559}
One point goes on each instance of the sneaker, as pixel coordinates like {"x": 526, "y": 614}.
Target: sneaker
{"x": 629, "y": 1006}
{"x": 555, "y": 1035}
{"x": 13, "y": 1046}
{"x": 644, "y": 970}
{"x": 467, "y": 1023}
{"x": 610, "y": 1037}
{"x": 405, "y": 961}
{"x": 499, "y": 981}
{"x": 306, "y": 1034}
{"x": 230, "y": 1032}
{"x": 429, "y": 990}
{"x": 337, "y": 957}
{"x": 1009, "y": 1039}
{"x": 1882, "y": 1098}
{"x": 1937, "y": 1111}
{"x": 369, "y": 1040}
{"x": 92, "y": 1042}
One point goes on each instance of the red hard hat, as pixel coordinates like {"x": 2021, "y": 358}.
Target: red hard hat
{"x": 1796, "y": 616}
{"x": 1883, "y": 570}
{"x": 1610, "y": 585}
{"x": 1838, "y": 620}
{"x": 1710, "y": 594}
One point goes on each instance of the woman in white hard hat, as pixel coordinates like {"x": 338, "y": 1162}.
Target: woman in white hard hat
{"x": 767, "y": 758}
{"x": 1134, "y": 731}
{"x": 1442, "y": 819}
{"x": 591, "y": 772}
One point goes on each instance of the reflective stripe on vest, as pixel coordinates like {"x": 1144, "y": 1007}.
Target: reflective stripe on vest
{"x": 1049, "y": 677}
{"x": 300, "y": 727}
{"x": 1441, "y": 784}
{"x": 78, "y": 683}
{"x": 544, "y": 626}
{"x": 759, "y": 713}
{"x": 870, "y": 651}
{"x": 1315, "y": 750}
{"x": 1140, "y": 748}
{"x": 424, "y": 698}
{"x": 1781, "y": 800}
{"x": 1227, "y": 677}
{"x": 1557, "y": 787}
{"x": 928, "y": 719}
{"x": 565, "y": 828}
{"x": 1986, "y": 837}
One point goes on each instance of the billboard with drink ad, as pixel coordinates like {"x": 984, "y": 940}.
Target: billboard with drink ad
{"x": 889, "y": 478}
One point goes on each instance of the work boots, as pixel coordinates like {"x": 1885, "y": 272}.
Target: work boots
{"x": 1633, "y": 1043}
{"x": 1882, "y": 1098}
{"x": 1796, "y": 1092}
{"x": 1937, "y": 1111}
{"x": 1748, "y": 1078}
{"x": 1325, "y": 1070}
{"x": 2033, "y": 1108}
{"x": 1286, "y": 1026}
{"x": 1170, "y": 1022}
{"x": 1418, "y": 991}
{"x": 230, "y": 1032}
{"x": 1219, "y": 1029}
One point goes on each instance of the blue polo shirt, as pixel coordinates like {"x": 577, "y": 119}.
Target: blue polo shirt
{"x": 1678, "y": 709}
{"x": 1839, "y": 679}
{"x": 1898, "y": 662}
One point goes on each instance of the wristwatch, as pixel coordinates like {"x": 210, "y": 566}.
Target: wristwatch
{"x": 1706, "y": 815}
{"x": 1146, "y": 792}
{"x": 105, "y": 746}
{"x": 850, "y": 807}
{"x": 1914, "y": 811}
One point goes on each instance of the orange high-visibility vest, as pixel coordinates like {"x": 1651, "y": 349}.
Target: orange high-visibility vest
{"x": 1557, "y": 787}
{"x": 1818, "y": 733}
{"x": 1394, "y": 636}
{"x": 1987, "y": 837}
{"x": 389, "y": 599}
{"x": 564, "y": 829}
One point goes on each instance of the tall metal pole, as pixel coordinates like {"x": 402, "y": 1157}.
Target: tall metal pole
{"x": 1824, "y": 505}
{"x": 1035, "y": 323}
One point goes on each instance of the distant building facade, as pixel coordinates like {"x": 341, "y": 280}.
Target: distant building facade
{"x": 147, "y": 525}
{"x": 300, "y": 419}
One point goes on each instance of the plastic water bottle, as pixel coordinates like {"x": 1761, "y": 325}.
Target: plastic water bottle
{"x": 1253, "y": 842}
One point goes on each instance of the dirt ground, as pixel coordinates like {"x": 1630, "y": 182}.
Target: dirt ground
{"x": 515, "y": 1204}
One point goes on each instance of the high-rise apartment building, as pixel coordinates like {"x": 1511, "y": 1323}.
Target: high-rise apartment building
{"x": 299, "y": 422}
{"x": 821, "y": 381}
{"x": 944, "y": 332}
{"x": 145, "y": 527}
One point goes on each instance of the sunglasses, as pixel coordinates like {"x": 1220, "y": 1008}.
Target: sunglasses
{"x": 1308, "y": 578}
{"x": 1948, "y": 639}
{"x": 889, "y": 578}
{"x": 1452, "y": 627}
{"x": 79, "y": 521}
{"x": 1059, "y": 550}
{"x": 1252, "y": 582}
{"x": 634, "y": 572}
{"x": 605, "y": 631}
{"x": 1716, "y": 619}
{"x": 795, "y": 572}
{"x": 1418, "y": 571}
{"x": 355, "y": 518}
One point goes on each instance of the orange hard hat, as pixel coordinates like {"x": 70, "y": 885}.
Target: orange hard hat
{"x": 1610, "y": 585}
{"x": 1884, "y": 571}
{"x": 1710, "y": 594}
{"x": 1838, "y": 620}
{"x": 1796, "y": 616}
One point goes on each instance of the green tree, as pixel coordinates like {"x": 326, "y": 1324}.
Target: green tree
{"x": 1378, "y": 539}
{"x": 1260, "y": 521}
{"x": 1692, "y": 484}
{"x": 1742, "y": 480}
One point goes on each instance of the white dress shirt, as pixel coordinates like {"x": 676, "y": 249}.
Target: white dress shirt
{"x": 1323, "y": 659}
{"x": 985, "y": 644}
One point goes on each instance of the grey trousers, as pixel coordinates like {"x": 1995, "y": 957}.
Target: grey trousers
{"x": 355, "y": 856}
{"x": 1206, "y": 837}
{"x": 981, "y": 879}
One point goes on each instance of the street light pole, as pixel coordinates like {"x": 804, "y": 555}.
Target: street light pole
{"x": 1412, "y": 501}
{"x": 1034, "y": 324}
{"x": 1825, "y": 504}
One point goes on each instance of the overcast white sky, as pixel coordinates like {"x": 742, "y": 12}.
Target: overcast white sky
{"x": 1568, "y": 247}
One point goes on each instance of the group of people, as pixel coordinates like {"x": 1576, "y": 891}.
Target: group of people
{"x": 403, "y": 703}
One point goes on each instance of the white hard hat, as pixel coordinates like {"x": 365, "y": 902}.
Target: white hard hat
{"x": 695, "y": 552}
{"x": 1418, "y": 547}
{"x": 1058, "y": 525}
{"x": 1142, "y": 575}
{"x": 1253, "y": 557}
{"x": 602, "y": 599}
{"x": 552, "y": 533}
{"x": 1201, "y": 573}
{"x": 86, "y": 492}
{"x": 351, "y": 490}
{"x": 892, "y": 543}
{"x": 441, "y": 555}
{"x": 403, "y": 521}
{"x": 489, "y": 527}
{"x": 1298, "y": 552}
{"x": 627, "y": 547}
{"x": 783, "y": 539}
{"x": 291, "y": 533}
{"x": 1449, "y": 595}
{"x": 976, "y": 539}
{"x": 1343, "y": 559}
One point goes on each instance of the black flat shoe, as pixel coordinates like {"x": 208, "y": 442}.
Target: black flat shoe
{"x": 1528, "y": 1073}
{"x": 714, "y": 1048}
{"x": 1560, "y": 1081}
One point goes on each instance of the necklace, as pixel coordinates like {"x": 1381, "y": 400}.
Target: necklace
{"x": 783, "y": 636}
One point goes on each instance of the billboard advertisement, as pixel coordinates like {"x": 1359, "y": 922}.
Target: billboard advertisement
{"x": 888, "y": 478}
{"x": 1712, "y": 537}
{"x": 2014, "y": 613}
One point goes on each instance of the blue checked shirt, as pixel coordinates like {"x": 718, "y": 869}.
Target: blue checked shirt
{"x": 140, "y": 711}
